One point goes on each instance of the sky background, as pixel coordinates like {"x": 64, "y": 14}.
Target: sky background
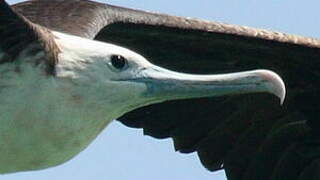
{"x": 121, "y": 153}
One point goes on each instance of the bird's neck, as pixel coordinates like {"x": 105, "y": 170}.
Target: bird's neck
{"x": 44, "y": 122}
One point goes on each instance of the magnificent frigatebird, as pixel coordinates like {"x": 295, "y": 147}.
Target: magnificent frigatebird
{"x": 186, "y": 26}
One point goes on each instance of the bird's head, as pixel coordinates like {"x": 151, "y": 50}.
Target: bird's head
{"x": 115, "y": 77}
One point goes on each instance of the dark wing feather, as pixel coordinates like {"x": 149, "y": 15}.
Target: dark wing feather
{"x": 19, "y": 37}
{"x": 82, "y": 18}
{"x": 250, "y": 136}
{"x": 16, "y": 33}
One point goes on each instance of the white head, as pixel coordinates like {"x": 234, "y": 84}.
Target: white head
{"x": 119, "y": 80}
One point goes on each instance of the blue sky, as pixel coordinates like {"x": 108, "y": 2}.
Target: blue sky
{"x": 120, "y": 153}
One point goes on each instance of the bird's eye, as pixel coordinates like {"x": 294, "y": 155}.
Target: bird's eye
{"x": 118, "y": 62}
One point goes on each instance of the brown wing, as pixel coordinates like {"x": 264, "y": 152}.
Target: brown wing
{"x": 19, "y": 37}
{"x": 250, "y": 136}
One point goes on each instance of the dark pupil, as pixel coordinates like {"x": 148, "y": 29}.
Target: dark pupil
{"x": 118, "y": 61}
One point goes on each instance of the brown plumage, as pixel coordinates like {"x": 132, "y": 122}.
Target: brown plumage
{"x": 29, "y": 36}
{"x": 250, "y": 136}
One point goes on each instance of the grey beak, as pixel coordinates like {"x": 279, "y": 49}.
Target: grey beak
{"x": 168, "y": 85}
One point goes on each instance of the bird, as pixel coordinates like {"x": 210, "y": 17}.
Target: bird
{"x": 227, "y": 125}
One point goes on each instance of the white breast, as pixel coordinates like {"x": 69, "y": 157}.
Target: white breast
{"x": 42, "y": 124}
